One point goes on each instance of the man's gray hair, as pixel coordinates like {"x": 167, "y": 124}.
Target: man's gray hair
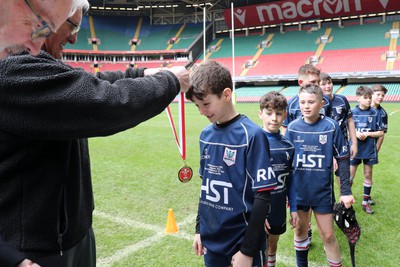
{"x": 79, "y": 4}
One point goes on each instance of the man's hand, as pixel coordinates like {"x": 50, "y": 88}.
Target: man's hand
{"x": 180, "y": 72}
{"x": 28, "y": 263}
{"x": 183, "y": 75}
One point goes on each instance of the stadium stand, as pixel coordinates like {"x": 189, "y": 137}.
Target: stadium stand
{"x": 190, "y": 32}
{"x": 253, "y": 94}
{"x": 393, "y": 94}
{"x": 115, "y": 32}
{"x": 347, "y": 51}
{"x": 353, "y": 60}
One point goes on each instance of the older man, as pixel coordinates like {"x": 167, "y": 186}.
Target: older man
{"x": 48, "y": 110}
{"x": 24, "y": 24}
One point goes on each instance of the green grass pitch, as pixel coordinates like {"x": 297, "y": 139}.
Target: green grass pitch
{"x": 135, "y": 183}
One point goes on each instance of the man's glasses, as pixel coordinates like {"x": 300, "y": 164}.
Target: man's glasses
{"x": 44, "y": 30}
{"x": 76, "y": 27}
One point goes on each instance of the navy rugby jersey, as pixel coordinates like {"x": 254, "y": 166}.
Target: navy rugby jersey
{"x": 315, "y": 146}
{"x": 282, "y": 152}
{"x": 341, "y": 112}
{"x": 234, "y": 164}
{"x": 294, "y": 112}
{"x": 384, "y": 118}
{"x": 368, "y": 120}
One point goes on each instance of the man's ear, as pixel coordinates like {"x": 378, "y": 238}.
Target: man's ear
{"x": 285, "y": 114}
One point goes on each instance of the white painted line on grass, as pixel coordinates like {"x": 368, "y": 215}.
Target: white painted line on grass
{"x": 125, "y": 252}
{"x": 159, "y": 234}
{"x": 127, "y": 222}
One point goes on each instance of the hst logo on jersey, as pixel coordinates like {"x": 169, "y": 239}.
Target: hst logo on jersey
{"x": 281, "y": 179}
{"x": 216, "y": 191}
{"x": 323, "y": 138}
{"x": 229, "y": 156}
{"x": 310, "y": 161}
{"x": 363, "y": 130}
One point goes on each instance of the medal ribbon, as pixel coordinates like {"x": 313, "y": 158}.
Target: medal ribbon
{"x": 181, "y": 141}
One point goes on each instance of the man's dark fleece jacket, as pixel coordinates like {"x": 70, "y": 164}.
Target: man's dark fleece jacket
{"x": 47, "y": 111}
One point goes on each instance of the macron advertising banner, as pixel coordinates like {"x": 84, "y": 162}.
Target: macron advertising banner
{"x": 299, "y": 10}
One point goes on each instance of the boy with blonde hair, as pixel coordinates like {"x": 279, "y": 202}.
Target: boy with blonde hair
{"x": 317, "y": 139}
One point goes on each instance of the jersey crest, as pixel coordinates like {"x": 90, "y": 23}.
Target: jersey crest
{"x": 323, "y": 138}
{"x": 229, "y": 156}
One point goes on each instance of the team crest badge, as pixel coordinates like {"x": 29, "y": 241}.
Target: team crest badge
{"x": 229, "y": 156}
{"x": 339, "y": 110}
{"x": 323, "y": 138}
{"x": 369, "y": 119}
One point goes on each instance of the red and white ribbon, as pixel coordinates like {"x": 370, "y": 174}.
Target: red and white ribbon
{"x": 181, "y": 139}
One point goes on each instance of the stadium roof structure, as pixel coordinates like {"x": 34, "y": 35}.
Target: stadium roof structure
{"x": 168, "y": 11}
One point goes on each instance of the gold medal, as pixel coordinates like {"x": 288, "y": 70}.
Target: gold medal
{"x": 185, "y": 174}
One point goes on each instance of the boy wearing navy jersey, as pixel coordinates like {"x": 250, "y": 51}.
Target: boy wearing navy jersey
{"x": 307, "y": 74}
{"x": 377, "y": 98}
{"x": 317, "y": 139}
{"x": 272, "y": 112}
{"x": 341, "y": 112}
{"x": 369, "y": 128}
{"x": 236, "y": 172}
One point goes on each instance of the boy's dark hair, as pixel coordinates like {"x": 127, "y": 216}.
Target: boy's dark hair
{"x": 312, "y": 89}
{"x": 379, "y": 88}
{"x": 364, "y": 91}
{"x": 325, "y": 76}
{"x": 273, "y": 100}
{"x": 209, "y": 77}
{"x": 308, "y": 69}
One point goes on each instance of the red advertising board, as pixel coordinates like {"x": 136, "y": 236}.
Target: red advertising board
{"x": 299, "y": 10}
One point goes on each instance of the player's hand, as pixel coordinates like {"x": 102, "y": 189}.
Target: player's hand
{"x": 347, "y": 200}
{"x": 294, "y": 219}
{"x": 267, "y": 226}
{"x": 353, "y": 151}
{"x": 360, "y": 136}
{"x": 335, "y": 165}
{"x": 183, "y": 75}
{"x": 197, "y": 245}
{"x": 241, "y": 260}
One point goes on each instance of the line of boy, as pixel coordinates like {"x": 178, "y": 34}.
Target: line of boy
{"x": 308, "y": 74}
{"x": 371, "y": 124}
{"x": 367, "y": 127}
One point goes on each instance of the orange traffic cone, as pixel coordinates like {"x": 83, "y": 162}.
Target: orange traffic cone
{"x": 171, "y": 227}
